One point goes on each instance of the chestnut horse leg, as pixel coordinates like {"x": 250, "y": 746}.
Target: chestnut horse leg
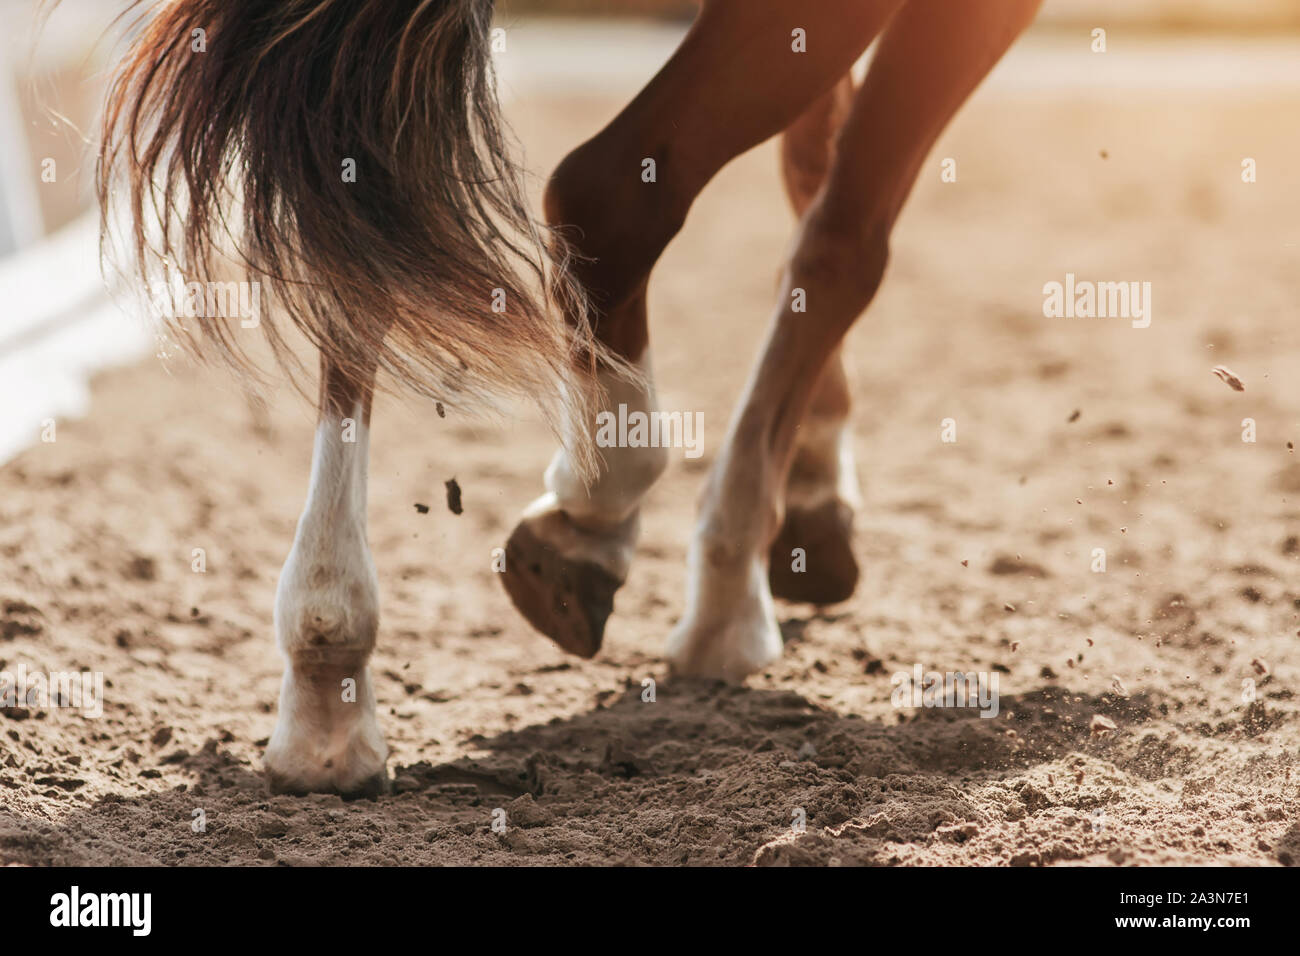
{"x": 812, "y": 556}
{"x": 744, "y": 72}
{"x": 930, "y": 58}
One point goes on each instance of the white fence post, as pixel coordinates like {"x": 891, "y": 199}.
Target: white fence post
{"x": 20, "y": 207}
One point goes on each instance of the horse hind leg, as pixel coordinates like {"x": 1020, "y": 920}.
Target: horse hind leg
{"x": 573, "y": 546}
{"x": 811, "y": 559}
{"x": 326, "y": 736}
{"x": 572, "y": 549}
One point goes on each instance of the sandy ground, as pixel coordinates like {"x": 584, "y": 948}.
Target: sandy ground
{"x": 1200, "y": 530}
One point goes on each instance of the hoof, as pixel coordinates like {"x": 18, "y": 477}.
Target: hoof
{"x": 567, "y": 600}
{"x": 358, "y": 772}
{"x": 367, "y": 788}
{"x": 826, "y": 535}
{"x": 322, "y": 745}
{"x": 728, "y": 630}
{"x": 727, "y": 651}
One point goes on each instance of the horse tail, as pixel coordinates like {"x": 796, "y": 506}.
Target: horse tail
{"x": 349, "y": 158}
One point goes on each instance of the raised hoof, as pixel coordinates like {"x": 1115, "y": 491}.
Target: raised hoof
{"x": 825, "y": 533}
{"x": 568, "y": 601}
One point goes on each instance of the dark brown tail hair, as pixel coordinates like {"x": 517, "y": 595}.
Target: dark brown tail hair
{"x": 231, "y": 159}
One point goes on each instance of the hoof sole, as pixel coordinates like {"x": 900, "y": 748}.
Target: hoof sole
{"x": 568, "y": 601}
